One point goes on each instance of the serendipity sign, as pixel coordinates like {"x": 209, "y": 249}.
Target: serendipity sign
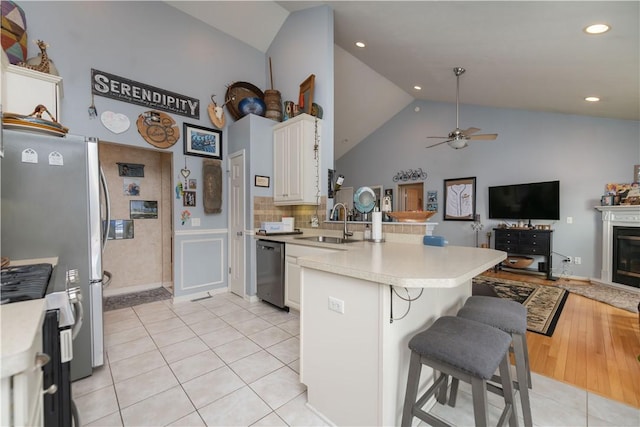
{"x": 125, "y": 90}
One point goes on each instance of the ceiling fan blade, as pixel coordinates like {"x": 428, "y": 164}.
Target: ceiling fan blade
{"x": 470, "y": 131}
{"x": 439, "y": 143}
{"x": 439, "y": 137}
{"x": 484, "y": 137}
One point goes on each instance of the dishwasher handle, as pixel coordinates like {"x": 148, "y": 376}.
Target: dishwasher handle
{"x": 267, "y": 247}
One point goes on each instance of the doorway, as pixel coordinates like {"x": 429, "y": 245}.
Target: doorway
{"x": 142, "y": 258}
{"x": 410, "y": 197}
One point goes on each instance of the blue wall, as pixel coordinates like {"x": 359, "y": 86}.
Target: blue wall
{"x": 584, "y": 153}
{"x": 156, "y": 44}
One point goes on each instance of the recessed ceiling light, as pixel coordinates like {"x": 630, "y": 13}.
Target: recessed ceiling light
{"x": 360, "y": 44}
{"x": 416, "y": 87}
{"x": 592, "y": 99}
{"x": 597, "y": 29}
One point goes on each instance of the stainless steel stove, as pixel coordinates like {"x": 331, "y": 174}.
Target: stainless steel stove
{"x": 62, "y": 321}
{"x": 24, "y": 282}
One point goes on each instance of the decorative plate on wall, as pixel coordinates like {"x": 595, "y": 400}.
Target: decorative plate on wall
{"x": 238, "y": 91}
{"x": 158, "y": 129}
{"x": 364, "y": 199}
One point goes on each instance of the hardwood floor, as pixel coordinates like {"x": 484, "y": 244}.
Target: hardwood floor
{"x": 595, "y": 346}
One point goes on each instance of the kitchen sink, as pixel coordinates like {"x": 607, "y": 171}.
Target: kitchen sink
{"x": 328, "y": 239}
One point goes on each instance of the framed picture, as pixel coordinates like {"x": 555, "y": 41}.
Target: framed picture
{"x": 306, "y": 94}
{"x": 130, "y": 169}
{"x": 143, "y": 209}
{"x": 189, "y": 198}
{"x": 203, "y": 142}
{"x": 131, "y": 186}
{"x": 120, "y": 229}
{"x": 262, "y": 181}
{"x": 606, "y": 200}
{"x": 460, "y": 199}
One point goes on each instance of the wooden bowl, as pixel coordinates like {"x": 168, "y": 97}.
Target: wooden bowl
{"x": 411, "y": 216}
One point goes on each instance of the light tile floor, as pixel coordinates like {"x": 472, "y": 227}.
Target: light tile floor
{"x": 223, "y": 361}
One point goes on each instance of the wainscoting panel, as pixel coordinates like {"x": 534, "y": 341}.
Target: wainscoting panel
{"x": 201, "y": 262}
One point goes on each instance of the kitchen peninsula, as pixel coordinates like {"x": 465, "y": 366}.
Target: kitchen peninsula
{"x": 359, "y": 309}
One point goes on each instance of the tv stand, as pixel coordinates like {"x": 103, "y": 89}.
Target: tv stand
{"x": 526, "y": 242}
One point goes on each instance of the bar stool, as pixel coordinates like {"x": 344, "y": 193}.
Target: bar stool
{"x": 510, "y": 317}
{"x": 467, "y": 350}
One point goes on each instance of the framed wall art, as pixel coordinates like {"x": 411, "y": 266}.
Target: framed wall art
{"x": 130, "y": 169}
{"x": 143, "y": 209}
{"x": 305, "y": 100}
{"x": 203, "y": 142}
{"x": 189, "y": 198}
{"x": 460, "y": 199}
{"x": 261, "y": 181}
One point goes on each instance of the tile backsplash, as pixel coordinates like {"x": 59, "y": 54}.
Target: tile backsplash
{"x": 264, "y": 210}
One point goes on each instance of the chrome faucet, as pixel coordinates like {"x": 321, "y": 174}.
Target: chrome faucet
{"x": 345, "y": 233}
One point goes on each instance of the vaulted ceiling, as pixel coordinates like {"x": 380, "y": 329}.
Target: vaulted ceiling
{"x": 531, "y": 55}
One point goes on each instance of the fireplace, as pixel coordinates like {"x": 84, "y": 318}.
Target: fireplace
{"x": 626, "y": 256}
{"x": 625, "y": 272}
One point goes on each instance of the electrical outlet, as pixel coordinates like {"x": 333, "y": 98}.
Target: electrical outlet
{"x": 195, "y": 222}
{"x": 336, "y": 305}
{"x": 569, "y": 220}
{"x": 577, "y": 260}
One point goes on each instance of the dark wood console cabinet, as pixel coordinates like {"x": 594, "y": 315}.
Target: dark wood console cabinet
{"x": 526, "y": 242}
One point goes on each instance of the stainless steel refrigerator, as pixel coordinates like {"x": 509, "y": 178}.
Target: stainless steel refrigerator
{"x": 51, "y": 192}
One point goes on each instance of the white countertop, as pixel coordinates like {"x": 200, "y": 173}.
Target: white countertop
{"x": 405, "y": 264}
{"x": 21, "y": 322}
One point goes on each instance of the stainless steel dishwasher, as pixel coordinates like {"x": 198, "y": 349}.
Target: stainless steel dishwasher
{"x": 270, "y": 272}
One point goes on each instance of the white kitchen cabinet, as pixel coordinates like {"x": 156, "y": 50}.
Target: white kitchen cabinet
{"x": 23, "y": 89}
{"x": 292, "y": 271}
{"x": 22, "y": 361}
{"x": 296, "y": 167}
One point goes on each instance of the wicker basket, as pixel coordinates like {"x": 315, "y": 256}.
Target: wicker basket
{"x": 518, "y": 261}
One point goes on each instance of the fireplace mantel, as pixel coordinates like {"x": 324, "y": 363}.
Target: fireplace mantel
{"x": 614, "y": 216}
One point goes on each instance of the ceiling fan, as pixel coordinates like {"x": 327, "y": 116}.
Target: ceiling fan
{"x": 458, "y": 138}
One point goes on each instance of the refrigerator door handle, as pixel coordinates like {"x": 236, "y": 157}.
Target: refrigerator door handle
{"x": 107, "y": 208}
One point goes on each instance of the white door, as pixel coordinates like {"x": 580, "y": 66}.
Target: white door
{"x": 236, "y": 224}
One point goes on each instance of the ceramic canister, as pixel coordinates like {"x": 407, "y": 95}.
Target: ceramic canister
{"x": 288, "y": 110}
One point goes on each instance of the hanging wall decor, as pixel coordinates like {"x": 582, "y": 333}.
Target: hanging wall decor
{"x": 132, "y": 92}
{"x": 460, "y": 199}
{"x": 158, "y": 129}
{"x": 201, "y": 141}
{"x": 115, "y": 122}
{"x": 212, "y": 187}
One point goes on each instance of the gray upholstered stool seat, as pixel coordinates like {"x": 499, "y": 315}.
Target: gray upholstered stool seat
{"x": 510, "y": 317}
{"x": 467, "y": 350}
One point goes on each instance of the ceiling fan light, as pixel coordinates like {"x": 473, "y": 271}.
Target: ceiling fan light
{"x": 597, "y": 29}
{"x": 458, "y": 143}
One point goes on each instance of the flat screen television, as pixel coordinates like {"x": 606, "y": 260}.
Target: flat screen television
{"x": 537, "y": 200}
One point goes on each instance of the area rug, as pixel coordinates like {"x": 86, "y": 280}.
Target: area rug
{"x": 607, "y": 294}
{"x": 544, "y": 303}
{"x": 136, "y": 298}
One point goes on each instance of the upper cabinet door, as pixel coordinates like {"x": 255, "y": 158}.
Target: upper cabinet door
{"x": 297, "y": 161}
